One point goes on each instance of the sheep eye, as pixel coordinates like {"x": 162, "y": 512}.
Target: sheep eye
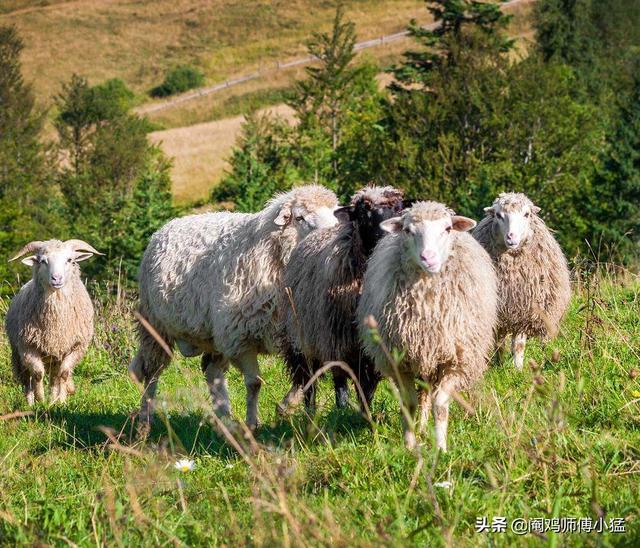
{"x": 500, "y": 215}
{"x": 526, "y": 214}
{"x": 69, "y": 260}
{"x": 448, "y": 229}
{"x": 300, "y": 218}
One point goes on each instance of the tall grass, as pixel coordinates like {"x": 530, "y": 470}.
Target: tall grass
{"x": 558, "y": 439}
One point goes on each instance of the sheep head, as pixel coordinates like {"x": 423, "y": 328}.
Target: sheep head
{"x": 55, "y": 262}
{"x": 512, "y": 213}
{"x": 306, "y": 208}
{"x": 429, "y": 229}
{"x": 369, "y": 207}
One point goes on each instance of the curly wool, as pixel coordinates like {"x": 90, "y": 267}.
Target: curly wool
{"x": 324, "y": 276}
{"x": 443, "y": 323}
{"x": 212, "y": 279}
{"x": 51, "y": 324}
{"x": 533, "y": 281}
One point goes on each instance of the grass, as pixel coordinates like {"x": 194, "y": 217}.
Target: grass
{"x": 560, "y": 441}
{"x": 138, "y": 41}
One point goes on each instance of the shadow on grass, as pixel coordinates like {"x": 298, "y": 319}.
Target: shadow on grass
{"x": 193, "y": 433}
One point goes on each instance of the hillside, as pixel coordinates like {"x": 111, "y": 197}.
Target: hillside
{"x": 137, "y": 41}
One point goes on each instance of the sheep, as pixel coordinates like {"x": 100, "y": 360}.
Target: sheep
{"x": 430, "y": 290}
{"x": 50, "y": 320}
{"x": 533, "y": 276}
{"x": 209, "y": 283}
{"x": 322, "y": 284}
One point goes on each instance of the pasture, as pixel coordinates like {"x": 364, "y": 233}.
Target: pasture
{"x": 560, "y": 439}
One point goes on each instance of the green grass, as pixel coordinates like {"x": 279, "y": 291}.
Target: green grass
{"x": 562, "y": 441}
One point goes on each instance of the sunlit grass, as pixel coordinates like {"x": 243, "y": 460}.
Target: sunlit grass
{"x": 561, "y": 439}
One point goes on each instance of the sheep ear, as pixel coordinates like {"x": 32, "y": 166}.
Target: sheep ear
{"x": 392, "y": 225}
{"x": 283, "y": 217}
{"x": 490, "y": 210}
{"x": 79, "y": 257}
{"x": 536, "y": 209}
{"x": 462, "y": 224}
{"x": 344, "y": 214}
{"x": 29, "y": 261}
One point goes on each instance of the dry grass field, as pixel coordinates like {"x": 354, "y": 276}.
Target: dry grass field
{"x": 200, "y": 152}
{"x": 137, "y": 41}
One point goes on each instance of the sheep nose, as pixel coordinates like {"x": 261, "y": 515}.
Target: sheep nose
{"x": 428, "y": 256}
{"x": 511, "y": 236}
{"x": 56, "y": 278}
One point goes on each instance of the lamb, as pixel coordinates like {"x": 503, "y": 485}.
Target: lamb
{"x": 50, "y": 320}
{"x": 209, "y": 283}
{"x": 430, "y": 290}
{"x": 533, "y": 276}
{"x": 322, "y": 282}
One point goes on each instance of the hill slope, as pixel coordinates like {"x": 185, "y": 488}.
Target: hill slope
{"x": 138, "y": 40}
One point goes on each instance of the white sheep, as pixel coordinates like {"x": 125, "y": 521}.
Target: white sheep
{"x": 50, "y": 320}
{"x": 533, "y": 277}
{"x": 431, "y": 288}
{"x": 209, "y": 283}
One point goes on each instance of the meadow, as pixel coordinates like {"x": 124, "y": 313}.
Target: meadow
{"x": 559, "y": 439}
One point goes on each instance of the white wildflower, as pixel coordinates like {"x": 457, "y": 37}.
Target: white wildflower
{"x": 184, "y": 465}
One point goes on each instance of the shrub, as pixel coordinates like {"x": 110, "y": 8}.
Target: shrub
{"x": 177, "y": 80}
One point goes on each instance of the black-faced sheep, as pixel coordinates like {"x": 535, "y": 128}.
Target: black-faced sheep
{"x": 50, "y": 320}
{"x": 210, "y": 283}
{"x": 322, "y": 283}
{"x": 533, "y": 278}
{"x": 431, "y": 288}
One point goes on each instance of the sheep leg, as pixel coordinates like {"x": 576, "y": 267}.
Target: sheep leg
{"x": 369, "y": 379}
{"x": 499, "y": 351}
{"x": 248, "y": 364}
{"x": 340, "y": 387}
{"x": 298, "y": 368}
{"x": 424, "y": 404}
{"x": 145, "y": 368}
{"x": 408, "y": 404}
{"x": 33, "y": 377}
{"x": 518, "y": 343}
{"x": 310, "y": 394}
{"x": 441, "y": 416}
{"x": 215, "y": 368}
{"x": 63, "y": 374}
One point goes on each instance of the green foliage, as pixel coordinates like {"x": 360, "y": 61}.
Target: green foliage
{"x": 177, "y": 80}
{"x": 261, "y": 165}
{"x": 333, "y": 105}
{"x": 29, "y": 201}
{"x": 115, "y": 175}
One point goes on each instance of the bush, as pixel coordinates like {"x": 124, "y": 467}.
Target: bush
{"x": 177, "y": 80}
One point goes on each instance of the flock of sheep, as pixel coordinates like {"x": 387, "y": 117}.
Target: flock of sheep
{"x": 315, "y": 283}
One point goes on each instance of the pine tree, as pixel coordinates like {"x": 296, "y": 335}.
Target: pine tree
{"x": 323, "y": 99}
{"x": 28, "y": 196}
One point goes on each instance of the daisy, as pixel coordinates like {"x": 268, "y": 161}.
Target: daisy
{"x": 184, "y": 465}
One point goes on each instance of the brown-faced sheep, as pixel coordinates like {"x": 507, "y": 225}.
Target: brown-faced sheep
{"x": 210, "y": 283}
{"x": 322, "y": 284}
{"x": 431, "y": 288}
{"x": 533, "y": 278}
{"x": 50, "y": 320}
